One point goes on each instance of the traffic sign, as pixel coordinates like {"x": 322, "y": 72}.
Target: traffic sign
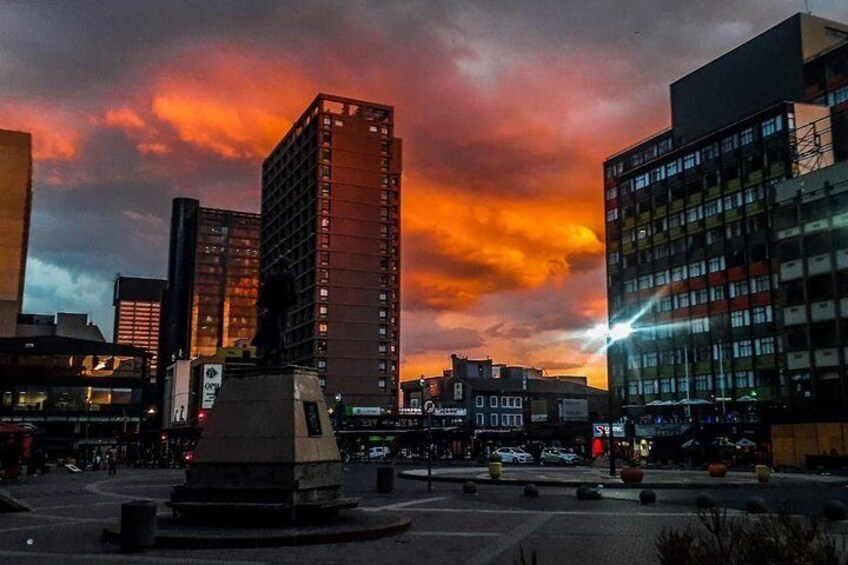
{"x": 429, "y": 407}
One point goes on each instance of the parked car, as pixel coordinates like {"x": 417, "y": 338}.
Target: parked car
{"x": 560, "y": 456}
{"x": 514, "y": 455}
{"x": 378, "y": 452}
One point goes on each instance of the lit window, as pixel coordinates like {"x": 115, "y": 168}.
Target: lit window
{"x": 323, "y": 292}
{"x": 322, "y": 328}
{"x": 372, "y": 129}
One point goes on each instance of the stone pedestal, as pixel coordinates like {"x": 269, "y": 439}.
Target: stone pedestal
{"x": 267, "y": 454}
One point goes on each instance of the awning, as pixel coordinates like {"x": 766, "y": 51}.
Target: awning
{"x": 746, "y": 398}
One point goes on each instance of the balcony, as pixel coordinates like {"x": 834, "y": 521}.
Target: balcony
{"x": 825, "y": 310}
{"x": 794, "y": 315}
{"x": 818, "y": 264}
{"x": 791, "y": 270}
{"x": 826, "y": 357}
{"x": 798, "y": 360}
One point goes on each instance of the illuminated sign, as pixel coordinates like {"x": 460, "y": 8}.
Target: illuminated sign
{"x": 211, "y": 383}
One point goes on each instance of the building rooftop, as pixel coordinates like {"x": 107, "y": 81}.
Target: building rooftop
{"x": 53, "y": 345}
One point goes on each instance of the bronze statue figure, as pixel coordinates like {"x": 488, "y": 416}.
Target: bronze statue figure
{"x": 277, "y": 293}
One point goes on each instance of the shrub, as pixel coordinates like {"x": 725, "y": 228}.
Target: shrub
{"x": 773, "y": 539}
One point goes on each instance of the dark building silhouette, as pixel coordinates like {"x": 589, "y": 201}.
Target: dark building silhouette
{"x": 692, "y": 252}
{"x": 331, "y": 204}
{"x": 138, "y": 309}
{"x": 15, "y": 205}
{"x": 213, "y": 281}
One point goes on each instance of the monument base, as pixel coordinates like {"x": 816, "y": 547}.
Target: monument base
{"x": 267, "y": 455}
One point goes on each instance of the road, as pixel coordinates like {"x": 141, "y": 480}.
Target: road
{"x": 448, "y": 526}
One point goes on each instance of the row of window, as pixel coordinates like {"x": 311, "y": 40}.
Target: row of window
{"x": 692, "y": 214}
{"x": 680, "y": 356}
{"x": 505, "y": 401}
{"x": 726, "y": 145}
{"x": 698, "y": 269}
{"x": 703, "y": 383}
{"x": 503, "y": 420}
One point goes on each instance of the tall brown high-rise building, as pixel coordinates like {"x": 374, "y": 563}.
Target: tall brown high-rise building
{"x": 213, "y": 280}
{"x": 138, "y": 304}
{"x": 331, "y": 203}
{"x": 15, "y": 204}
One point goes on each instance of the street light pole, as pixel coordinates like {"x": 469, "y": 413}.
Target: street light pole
{"x": 610, "y": 405}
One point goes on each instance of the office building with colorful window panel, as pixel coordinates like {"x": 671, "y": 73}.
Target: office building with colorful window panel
{"x": 213, "y": 281}
{"x": 691, "y": 253}
{"x": 331, "y": 205}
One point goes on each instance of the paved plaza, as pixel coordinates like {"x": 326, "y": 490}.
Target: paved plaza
{"x": 69, "y": 512}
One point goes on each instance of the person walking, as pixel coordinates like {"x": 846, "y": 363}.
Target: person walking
{"x": 111, "y": 462}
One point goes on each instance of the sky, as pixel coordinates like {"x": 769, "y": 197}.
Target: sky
{"x": 507, "y": 111}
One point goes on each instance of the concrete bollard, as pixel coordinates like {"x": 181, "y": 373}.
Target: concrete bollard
{"x": 834, "y": 510}
{"x": 647, "y": 496}
{"x": 705, "y": 502}
{"x": 469, "y": 487}
{"x": 531, "y": 491}
{"x": 385, "y": 479}
{"x": 756, "y": 505}
{"x": 138, "y": 525}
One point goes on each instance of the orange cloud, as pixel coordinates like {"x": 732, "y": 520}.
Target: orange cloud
{"x": 124, "y": 118}
{"x": 55, "y": 132}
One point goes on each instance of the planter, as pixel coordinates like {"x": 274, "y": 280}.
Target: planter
{"x": 495, "y": 469}
{"x": 717, "y": 470}
{"x": 631, "y": 475}
{"x": 763, "y": 473}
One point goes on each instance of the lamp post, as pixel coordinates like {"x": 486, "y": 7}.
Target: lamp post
{"x": 610, "y": 335}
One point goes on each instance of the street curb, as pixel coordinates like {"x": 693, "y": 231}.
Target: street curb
{"x": 710, "y": 485}
{"x": 187, "y": 537}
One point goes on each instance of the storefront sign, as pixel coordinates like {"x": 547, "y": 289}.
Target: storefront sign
{"x": 364, "y": 411}
{"x": 211, "y": 383}
{"x": 602, "y": 430}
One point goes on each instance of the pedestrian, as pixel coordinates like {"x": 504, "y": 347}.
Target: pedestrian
{"x": 111, "y": 462}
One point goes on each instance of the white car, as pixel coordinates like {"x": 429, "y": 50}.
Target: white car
{"x": 559, "y": 456}
{"x": 514, "y": 455}
{"x": 378, "y": 452}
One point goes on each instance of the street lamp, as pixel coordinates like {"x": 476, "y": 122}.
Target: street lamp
{"x": 610, "y": 335}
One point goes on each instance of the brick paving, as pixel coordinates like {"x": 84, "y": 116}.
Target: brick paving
{"x": 448, "y": 526}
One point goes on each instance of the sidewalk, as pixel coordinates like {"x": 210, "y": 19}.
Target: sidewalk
{"x": 593, "y": 476}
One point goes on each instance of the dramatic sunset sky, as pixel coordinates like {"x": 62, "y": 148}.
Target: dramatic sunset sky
{"x": 507, "y": 110}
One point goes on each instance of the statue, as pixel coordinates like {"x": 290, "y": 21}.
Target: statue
{"x": 277, "y": 294}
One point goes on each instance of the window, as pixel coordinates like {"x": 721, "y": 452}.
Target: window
{"x": 383, "y": 330}
{"x": 702, "y": 383}
{"x": 322, "y": 363}
{"x": 493, "y": 401}
{"x": 691, "y": 160}
{"x": 764, "y": 346}
{"x": 649, "y": 359}
{"x": 700, "y": 325}
{"x": 649, "y": 387}
{"x": 698, "y": 297}
{"x": 630, "y": 285}
{"x": 323, "y": 292}
{"x": 743, "y": 379}
{"x": 761, "y": 314}
{"x": 730, "y": 143}
{"x": 493, "y": 420}
{"x": 641, "y": 181}
{"x": 665, "y": 386}
{"x": 679, "y": 273}
{"x": 716, "y": 264}
{"x": 646, "y": 281}
{"x": 322, "y": 328}
{"x": 742, "y": 348}
{"x": 457, "y": 390}
{"x": 383, "y": 347}
{"x": 612, "y": 215}
{"x": 697, "y": 269}
{"x": 740, "y": 318}
{"x": 681, "y": 300}
{"x": 479, "y": 401}
{"x": 772, "y": 126}
{"x": 747, "y": 136}
{"x": 683, "y": 384}
{"x": 738, "y": 288}
{"x": 761, "y": 284}
{"x": 694, "y": 214}
{"x": 661, "y": 278}
{"x": 480, "y": 419}
{"x": 712, "y": 207}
